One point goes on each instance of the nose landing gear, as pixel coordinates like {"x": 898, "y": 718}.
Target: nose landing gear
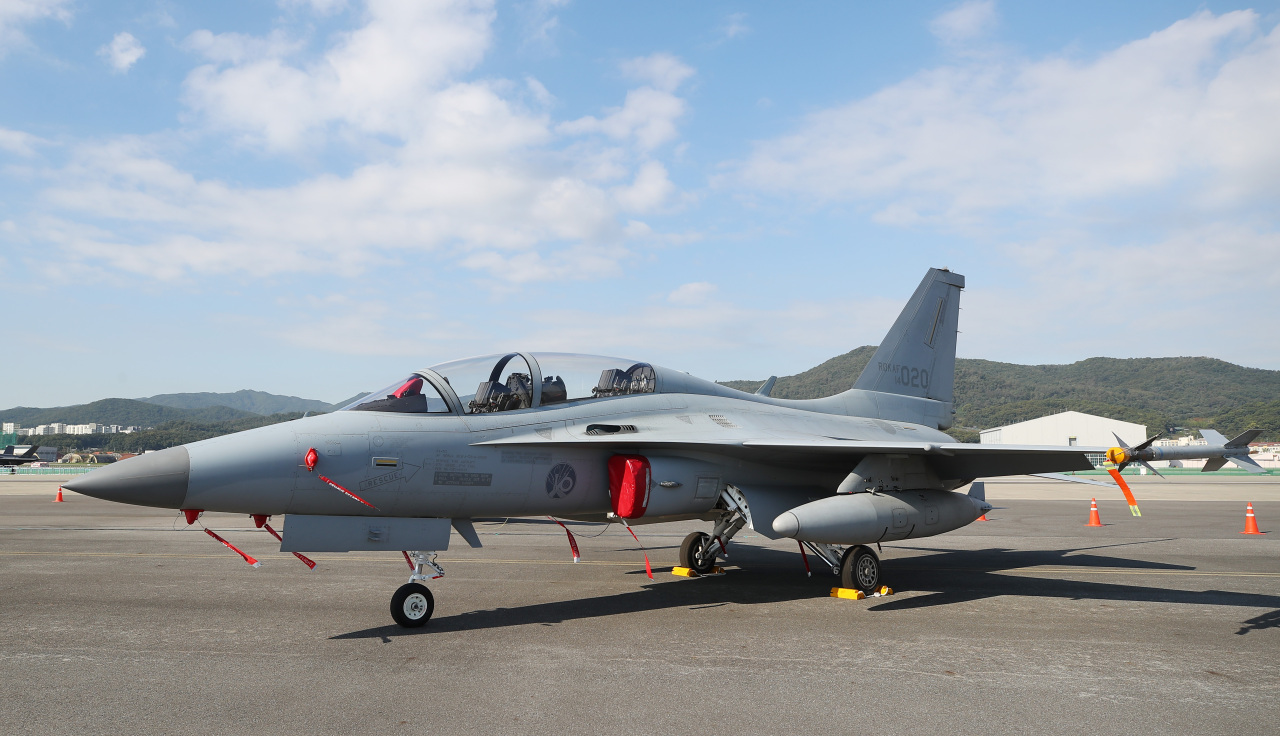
{"x": 860, "y": 568}
{"x": 413, "y": 604}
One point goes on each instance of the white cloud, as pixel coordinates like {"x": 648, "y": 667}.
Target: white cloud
{"x": 320, "y": 7}
{"x": 1194, "y": 104}
{"x": 455, "y": 168}
{"x": 240, "y": 48}
{"x": 123, "y": 52}
{"x": 14, "y": 14}
{"x": 735, "y": 25}
{"x": 1078, "y": 295}
{"x": 648, "y": 116}
{"x": 540, "y": 22}
{"x": 650, "y": 190}
{"x": 18, "y": 142}
{"x": 965, "y": 22}
{"x": 698, "y": 292}
{"x": 380, "y": 79}
{"x": 662, "y": 71}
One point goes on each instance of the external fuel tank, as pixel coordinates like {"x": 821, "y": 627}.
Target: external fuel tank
{"x": 863, "y": 518}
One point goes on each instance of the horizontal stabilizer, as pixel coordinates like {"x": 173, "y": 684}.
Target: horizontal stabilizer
{"x": 1248, "y": 464}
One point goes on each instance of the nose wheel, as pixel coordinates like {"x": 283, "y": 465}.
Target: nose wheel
{"x": 412, "y": 605}
{"x": 860, "y": 569}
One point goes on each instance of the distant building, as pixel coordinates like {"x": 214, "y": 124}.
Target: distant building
{"x": 1069, "y": 428}
{"x": 9, "y": 428}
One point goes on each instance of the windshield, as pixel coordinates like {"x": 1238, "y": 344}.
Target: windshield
{"x": 412, "y": 395}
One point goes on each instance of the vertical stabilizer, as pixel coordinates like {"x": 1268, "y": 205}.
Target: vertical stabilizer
{"x": 918, "y": 356}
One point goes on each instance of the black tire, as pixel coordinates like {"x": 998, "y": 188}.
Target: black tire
{"x": 692, "y": 553}
{"x": 860, "y": 569}
{"x": 412, "y": 605}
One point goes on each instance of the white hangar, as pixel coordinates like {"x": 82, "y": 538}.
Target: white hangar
{"x": 1067, "y": 428}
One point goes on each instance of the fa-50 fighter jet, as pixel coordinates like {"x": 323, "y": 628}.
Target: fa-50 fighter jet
{"x": 603, "y": 439}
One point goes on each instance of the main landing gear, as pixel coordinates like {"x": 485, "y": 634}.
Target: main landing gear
{"x": 858, "y": 567}
{"x": 413, "y": 604}
{"x": 699, "y": 550}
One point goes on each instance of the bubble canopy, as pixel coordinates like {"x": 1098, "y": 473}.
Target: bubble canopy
{"x": 513, "y": 381}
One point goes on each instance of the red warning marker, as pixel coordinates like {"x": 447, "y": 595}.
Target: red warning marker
{"x": 573, "y": 543}
{"x": 252, "y": 562}
{"x": 192, "y": 514}
{"x": 647, "y": 569}
{"x": 310, "y": 459}
{"x": 260, "y": 521}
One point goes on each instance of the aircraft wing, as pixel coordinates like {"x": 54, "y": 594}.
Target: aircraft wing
{"x": 949, "y": 459}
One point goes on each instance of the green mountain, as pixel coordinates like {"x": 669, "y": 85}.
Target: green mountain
{"x": 167, "y": 434}
{"x": 118, "y": 411}
{"x": 1162, "y": 393}
{"x": 256, "y": 402}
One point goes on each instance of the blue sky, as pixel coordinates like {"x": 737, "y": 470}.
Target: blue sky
{"x": 311, "y": 197}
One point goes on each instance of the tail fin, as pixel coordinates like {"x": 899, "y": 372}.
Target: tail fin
{"x": 918, "y": 356}
{"x": 31, "y": 451}
{"x": 1244, "y": 438}
{"x": 7, "y": 450}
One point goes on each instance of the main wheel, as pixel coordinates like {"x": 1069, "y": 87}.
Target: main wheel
{"x": 860, "y": 569}
{"x": 412, "y": 605}
{"x": 693, "y": 553}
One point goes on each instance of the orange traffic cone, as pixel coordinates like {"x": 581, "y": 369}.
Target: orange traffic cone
{"x": 58, "y": 498}
{"x": 1094, "y": 519}
{"x": 1250, "y": 521}
{"x": 983, "y": 518}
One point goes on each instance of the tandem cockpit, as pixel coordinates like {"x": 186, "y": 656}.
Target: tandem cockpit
{"x": 497, "y": 383}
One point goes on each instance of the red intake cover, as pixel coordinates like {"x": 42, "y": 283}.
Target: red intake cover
{"x": 629, "y": 485}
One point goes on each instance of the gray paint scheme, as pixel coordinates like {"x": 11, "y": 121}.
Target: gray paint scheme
{"x": 702, "y": 439}
{"x": 339, "y": 534}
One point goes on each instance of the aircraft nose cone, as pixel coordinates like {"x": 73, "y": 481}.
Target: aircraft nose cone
{"x": 154, "y": 479}
{"x": 786, "y": 524}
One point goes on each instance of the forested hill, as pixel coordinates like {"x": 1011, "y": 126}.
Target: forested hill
{"x": 118, "y": 411}
{"x": 1160, "y": 392}
{"x": 256, "y": 402}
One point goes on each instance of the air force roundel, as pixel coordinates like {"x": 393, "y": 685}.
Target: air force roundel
{"x": 561, "y": 480}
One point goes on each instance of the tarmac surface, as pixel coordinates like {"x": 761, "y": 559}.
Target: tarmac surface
{"x": 121, "y": 619}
